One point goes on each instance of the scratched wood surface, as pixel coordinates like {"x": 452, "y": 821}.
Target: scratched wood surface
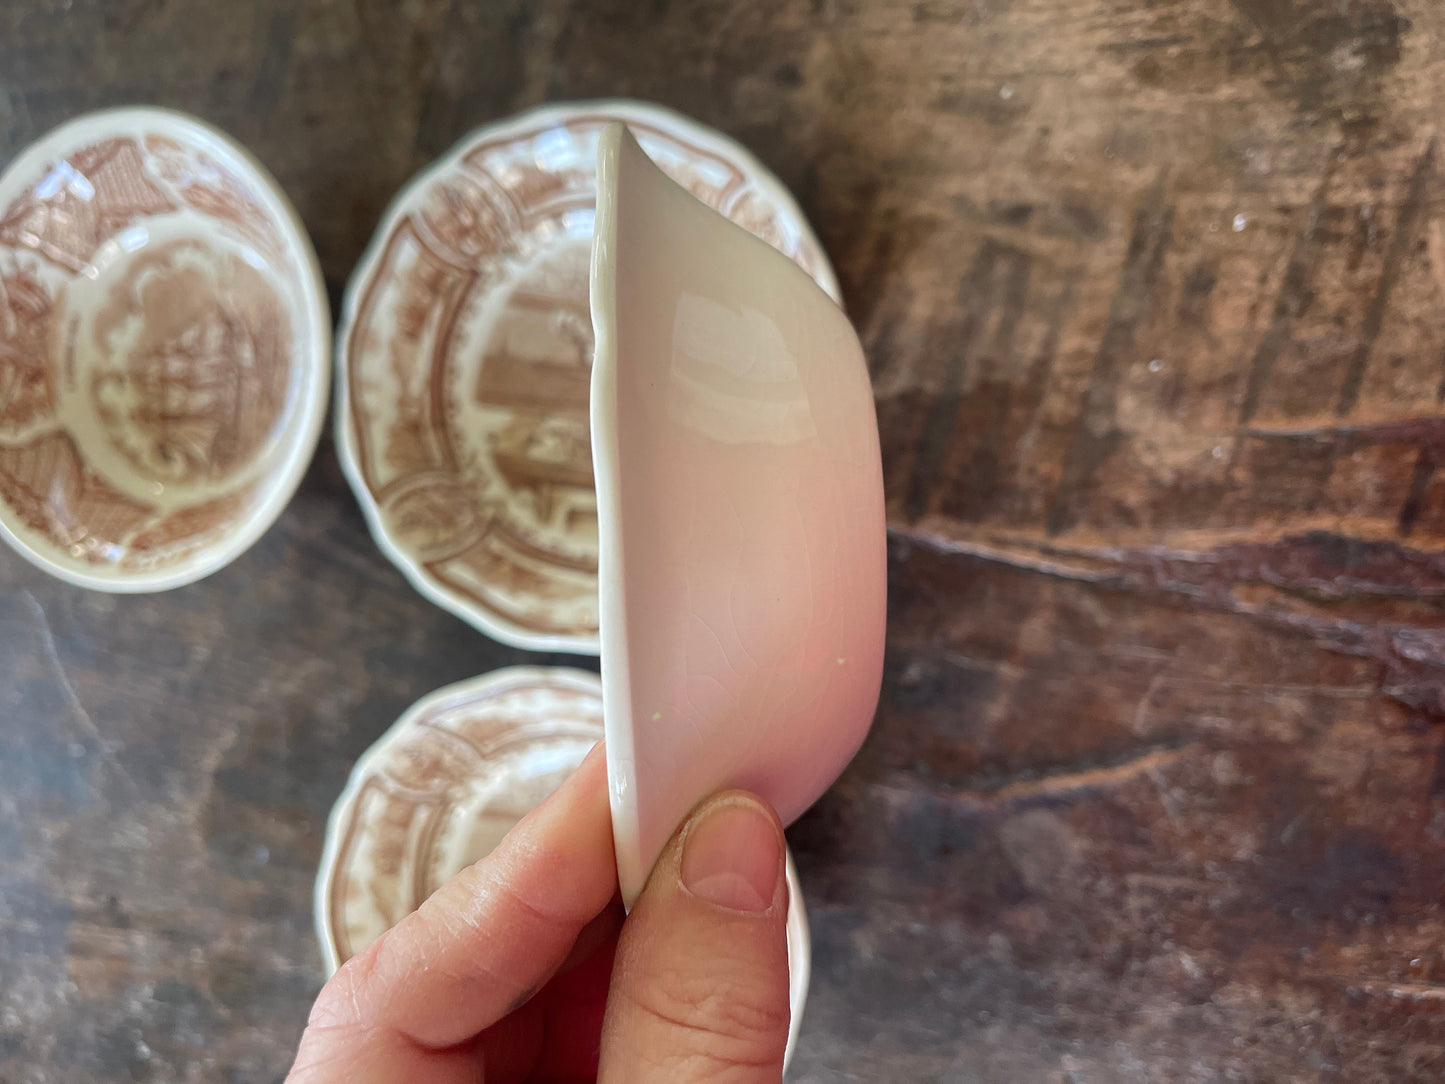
{"x": 1152, "y": 292}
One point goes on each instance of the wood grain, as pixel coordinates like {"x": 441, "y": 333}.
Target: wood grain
{"x": 1152, "y": 295}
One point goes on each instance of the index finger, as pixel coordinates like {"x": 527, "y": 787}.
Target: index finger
{"x": 491, "y": 936}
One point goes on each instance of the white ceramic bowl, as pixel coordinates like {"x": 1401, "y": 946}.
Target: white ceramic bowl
{"x": 464, "y": 355}
{"x": 740, "y": 513}
{"x": 442, "y": 787}
{"x": 164, "y": 338}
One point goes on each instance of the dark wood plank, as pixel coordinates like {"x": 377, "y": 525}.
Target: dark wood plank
{"x": 1151, "y": 294}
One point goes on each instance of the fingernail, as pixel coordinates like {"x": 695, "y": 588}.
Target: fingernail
{"x": 732, "y": 856}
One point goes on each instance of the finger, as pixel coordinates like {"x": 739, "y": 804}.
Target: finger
{"x": 573, "y": 1005}
{"x": 382, "y": 1059}
{"x": 601, "y": 931}
{"x": 700, "y": 986}
{"x": 555, "y": 1036}
{"x": 484, "y": 942}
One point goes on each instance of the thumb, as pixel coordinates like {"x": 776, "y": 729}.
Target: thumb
{"x": 700, "y": 985}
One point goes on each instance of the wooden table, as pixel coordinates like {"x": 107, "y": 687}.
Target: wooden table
{"x": 1152, "y": 293}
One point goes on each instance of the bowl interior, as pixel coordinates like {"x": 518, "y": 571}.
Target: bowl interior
{"x": 163, "y": 325}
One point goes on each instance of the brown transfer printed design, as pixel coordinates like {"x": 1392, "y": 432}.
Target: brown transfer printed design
{"x": 194, "y": 365}
{"x": 468, "y": 362}
{"x": 119, "y": 317}
{"x": 208, "y": 187}
{"x": 48, "y": 485}
{"x": 84, "y": 199}
{"x": 25, "y": 390}
{"x": 443, "y": 787}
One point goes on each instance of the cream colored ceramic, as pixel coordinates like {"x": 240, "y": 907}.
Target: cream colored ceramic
{"x": 465, "y": 352}
{"x": 442, "y": 787}
{"x": 740, "y": 513}
{"x": 164, "y": 343}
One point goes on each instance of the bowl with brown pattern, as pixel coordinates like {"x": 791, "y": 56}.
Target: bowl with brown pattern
{"x": 164, "y": 337}
{"x": 446, "y": 782}
{"x": 465, "y": 351}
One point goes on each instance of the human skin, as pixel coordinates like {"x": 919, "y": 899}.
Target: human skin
{"x": 523, "y": 968}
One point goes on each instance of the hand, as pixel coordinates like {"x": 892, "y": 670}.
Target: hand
{"x": 521, "y": 968}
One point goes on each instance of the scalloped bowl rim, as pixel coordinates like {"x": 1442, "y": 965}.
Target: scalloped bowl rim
{"x": 285, "y": 479}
